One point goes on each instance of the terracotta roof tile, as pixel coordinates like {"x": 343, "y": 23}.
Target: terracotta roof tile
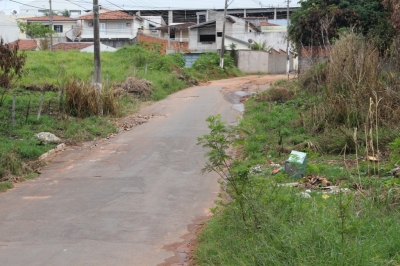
{"x": 47, "y": 18}
{"x": 71, "y": 46}
{"x": 112, "y": 15}
{"x": 25, "y": 45}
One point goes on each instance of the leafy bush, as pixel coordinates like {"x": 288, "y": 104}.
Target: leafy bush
{"x": 211, "y": 60}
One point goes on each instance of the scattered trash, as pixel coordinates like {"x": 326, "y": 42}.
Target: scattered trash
{"x": 395, "y": 171}
{"x": 325, "y": 197}
{"x": 304, "y": 195}
{"x": 311, "y": 181}
{"x": 276, "y": 170}
{"x": 289, "y": 185}
{"x": 296, "y": 164}
{"x": 373, "y": 158}
{"x": 255, "y": 169}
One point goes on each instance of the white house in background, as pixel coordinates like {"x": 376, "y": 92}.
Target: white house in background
{"x": 207, "y": 36}
{"x": 61, "y": 25}
{"x": 117, "y": 28}
{"x": 41, "y": 7}
{"x": 8, "y": 28}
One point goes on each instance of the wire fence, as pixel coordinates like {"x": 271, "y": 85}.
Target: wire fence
{"x": 18, "y": 111}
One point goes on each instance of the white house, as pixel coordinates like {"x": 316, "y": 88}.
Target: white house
{"x": 117, "y": 28}
{"x": 8, "y": 28}
{"x": 207, "y": 36}
{"x": 61, "y": 25}
{"x": 41, "y": 7}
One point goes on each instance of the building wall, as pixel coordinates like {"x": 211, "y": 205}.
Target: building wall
{"x": 260, "y": 61}
{"x": 277, "y": 64}
{"x": 195, "y": 45}
{"x": 9, "y": 30}
{"x": 177, "y": 46}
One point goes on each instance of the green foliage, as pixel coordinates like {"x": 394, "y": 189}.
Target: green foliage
{"x": 281, "y": 227}
{"x": 318, "y": 22}
{"x": 235, "y": 174}
{"x": 259, "y": 46}
{"x": 395, "y": 151}
{"x": 5, "y": 185}
{"x": 12, "y": 64}
{"x": 35, "y": 29}
{"x": 65, "y": 13}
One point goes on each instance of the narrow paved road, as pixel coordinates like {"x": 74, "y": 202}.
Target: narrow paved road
{"x": 121, "y": 202}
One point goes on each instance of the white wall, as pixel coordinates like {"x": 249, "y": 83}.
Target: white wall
{"x": 9, "y": 30}
{"x": 103, "y": 48}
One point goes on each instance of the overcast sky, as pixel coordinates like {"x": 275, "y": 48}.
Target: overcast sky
{"x": 8, "y": 6}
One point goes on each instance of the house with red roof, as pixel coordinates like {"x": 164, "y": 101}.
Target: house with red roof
{"x": 117, "y": 28}
{"x": 62, "y": 25}
{"x": 25, "y": 45}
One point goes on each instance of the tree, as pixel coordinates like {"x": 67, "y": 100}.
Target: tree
{"x": 318, "y": 22}
{"x": 36, "y": 31}
{"x": 11, "y": 66}
{"x": 394, "y": 9}
{"x": 65, "y": 13}
{"x": 47, "y": 13}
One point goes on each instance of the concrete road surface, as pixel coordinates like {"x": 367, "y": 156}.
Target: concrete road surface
{"x": 121, "y": 202}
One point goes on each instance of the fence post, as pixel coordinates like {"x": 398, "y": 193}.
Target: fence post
{"x": 107, "y": 78}
{"x": 92, "y": 79}
{"x": 27, "y": 111}
{"x": 40, "y": 106}
{"x": 145, "y": 69}
{"x": 13, "y": 111}
{"x": 60, "y": 92}
{"x": 134, "y": 71}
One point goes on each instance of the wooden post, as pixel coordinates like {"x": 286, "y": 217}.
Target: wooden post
{"x": 27, "y": 111}
{"x": 145, "y": 69}
{"x": 134, "y": 71}
{"x": 107, "y": 78}
{"x": 40, "y": 106}
{"x": 60, "y": 92}
{"x": 92, "y": 78}
{"x": 13, "y": 112}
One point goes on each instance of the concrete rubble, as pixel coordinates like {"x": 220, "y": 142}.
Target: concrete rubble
{"x": 47, "y": 138}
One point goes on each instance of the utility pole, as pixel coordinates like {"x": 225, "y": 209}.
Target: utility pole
{"x": 97, "y": 62}
{"x": 287, "y": 40}
{"x": 51, "y": 27}
{"x": 221, "y": 59}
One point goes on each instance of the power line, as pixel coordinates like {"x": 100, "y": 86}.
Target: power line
{"x": 25, "y": 4}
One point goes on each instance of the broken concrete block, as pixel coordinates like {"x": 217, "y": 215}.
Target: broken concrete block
{"x": 47, "y": 137}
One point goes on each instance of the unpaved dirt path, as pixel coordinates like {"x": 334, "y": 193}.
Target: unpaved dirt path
{"x": 126, "y": 200}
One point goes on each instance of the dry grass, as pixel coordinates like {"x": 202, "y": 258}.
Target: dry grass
{"x": 82, "y": 100}
{"x": 139, "y": 87}
{"x": 355, "y": 75}
{"x": 280, "y": 93}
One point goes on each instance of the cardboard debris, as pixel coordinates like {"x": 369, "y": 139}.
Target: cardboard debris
{"x": 311, "y": 181}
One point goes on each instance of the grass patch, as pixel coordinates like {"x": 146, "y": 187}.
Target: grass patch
{"x": 5, "y": 185}
{"x": 266, "y": 223}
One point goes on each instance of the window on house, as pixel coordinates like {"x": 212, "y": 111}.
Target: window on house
{"x": 172, "y": 35}
{"x": 58, "y": 28}
{"x": 121, "y": 26}
{"x": 207, "y": 38}
{"x": 219, "y": 34}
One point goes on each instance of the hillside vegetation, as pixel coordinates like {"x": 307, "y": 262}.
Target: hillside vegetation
{"x": 345, "y": 210}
